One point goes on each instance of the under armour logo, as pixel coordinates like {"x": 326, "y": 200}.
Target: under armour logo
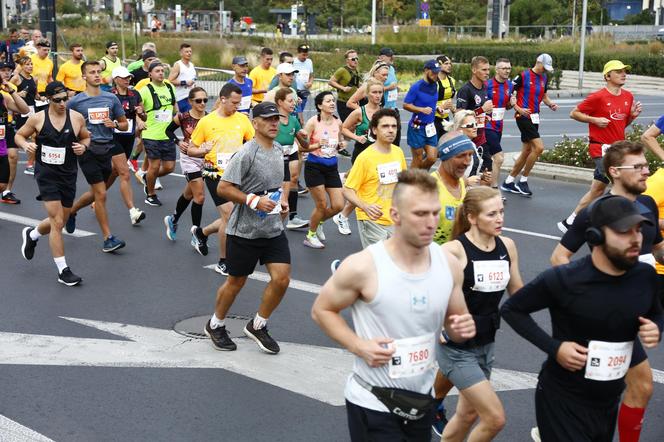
{"x": 422, "y": 299}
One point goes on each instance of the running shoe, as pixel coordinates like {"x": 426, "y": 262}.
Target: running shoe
{"x": 342, "y": 224}
{"x": 219, "y": 337}
{"x": 29, "y": 170}
{"x": 29, "y": 244}
{"x": 510, "y": 187}
{"x": 133, "y": 165}
{"x": 199, "y": 240}
{"x": 319, "y": 232}
{"x": 296, "y": 223}
{"x": 10, "y": 198}
{"x": 140, "y": 176}
{"x": 334, "y": 265}
{"x": 157, "y": 184}
{"x": 313, "y": 242}
{"x": 535, "y": 434}
{"x": 440, "y": 420}
{"x": 344, "y": 153}
{"x": 136, "y": 215}
{"x": 563, "y": 226}
{"x": 524, "y": 189}
{"x": 153, "y": 201}
{"x": 221, "y": 267}
{"x": 301, "y": 190}
{"x": 70, "y": 225}
{"x": 111, "y": 244}
{"x": 67, "y": 278}
{"x": 262, "y": 338}
{"x": 171, "y": 227}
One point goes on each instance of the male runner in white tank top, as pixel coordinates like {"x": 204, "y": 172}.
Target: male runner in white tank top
{"x": 183, "y": 77}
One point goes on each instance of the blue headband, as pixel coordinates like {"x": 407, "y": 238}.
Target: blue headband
{"x": 454, "y": 146}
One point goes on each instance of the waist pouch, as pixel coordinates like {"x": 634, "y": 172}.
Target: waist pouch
{"x": 405, "y": 404}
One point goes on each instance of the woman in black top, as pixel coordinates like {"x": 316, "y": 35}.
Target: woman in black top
{"x": 27, "y": 88}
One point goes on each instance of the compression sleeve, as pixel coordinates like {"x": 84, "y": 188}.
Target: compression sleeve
{"x": 170, "y": 132}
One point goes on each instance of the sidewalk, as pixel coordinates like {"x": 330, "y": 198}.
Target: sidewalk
{"x": 551, "y": 171}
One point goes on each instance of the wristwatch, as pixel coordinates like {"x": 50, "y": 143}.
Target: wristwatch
{"x": 115, "y": 123}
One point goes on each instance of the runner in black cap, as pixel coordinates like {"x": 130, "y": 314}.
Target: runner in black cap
{"x": 241, "y": 69}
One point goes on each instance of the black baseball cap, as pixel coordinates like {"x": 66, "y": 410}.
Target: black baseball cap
{"x": 148, "y": 54}
{"x": 55, "y": 88}
{"x": 6, "y": 65}
{"x": 240, "y": 60}
{"x": 303, "y": 48}
{"x": 386, "y": 51}
{"x": 110, "y": 44}
{"x": 155, "y": 64}
{"x": 266, "y": 109}
{"x": 617, "y": 213}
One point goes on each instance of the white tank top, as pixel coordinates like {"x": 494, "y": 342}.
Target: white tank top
{"x": 406, "y": 306}
{"x": 187, "y": 73}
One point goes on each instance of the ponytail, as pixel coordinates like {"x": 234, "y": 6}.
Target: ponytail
{"x": 461, "y": 223}
{"x": 472, "y": 205}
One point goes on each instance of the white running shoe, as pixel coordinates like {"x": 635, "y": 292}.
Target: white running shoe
{"x": 157, "y": 185}
{"x": 319, "y": 232}
{"x": 342, "y": 224}
{"x": 535, "y": 435}
{"x": 297, "y": 223}
{"x": 313, "y": 242}
{"x": 140, "y": 176}
{"x": 136, "y": 215}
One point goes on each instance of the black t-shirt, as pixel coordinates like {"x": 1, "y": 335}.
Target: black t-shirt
{"x": 471, "y": 98}
{"x": 585, "y": 304}
{"x": 138, "y": 74}
{"x": 574, "y": 238}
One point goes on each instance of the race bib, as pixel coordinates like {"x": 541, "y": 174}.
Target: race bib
{"x": 387, "y": 173}
{"x": 222, "y": 160}
{"x": 30, "y": 112}
{"x": 393, "y": 95}
{"x": 534, "y": 118}
{"x": 648, "y": 258}
{"x": 245, "y": 104}
{"x": 430, "y": 130}
{"x": 608, "y": 361}
{"x": 605, "y": 147}
{"x": 97, "y": 115}
{"x": 328, "y": 151}
{"x": 130, "y": 128}
{"x": 480, "y": 119}
{"x": 498, "y": 113}
{"x": 412, "y": 356}
{"x": 163, "y": 116}
{"x": 303, "y": 76}
{"x": 286, "y": 149}
{"x": 491, "y": 276}
{"x": 53, "y": 155}
{"x": 2, "y": 131}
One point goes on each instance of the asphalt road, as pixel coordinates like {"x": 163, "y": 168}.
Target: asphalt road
{"x": 70, "y": 381}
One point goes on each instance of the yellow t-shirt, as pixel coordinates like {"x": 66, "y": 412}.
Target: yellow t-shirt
{"x": 141, "y": 84}
{"x": 42, "y": 70}
{"x": 70, "y": 74}
{"x": 449, "y": 86}
{"x": 261, "y": 79}
{"x": 449, "y": 205}
{"x": 228, "y": 135}
{"x": 655, "y": 189}
{"x": 373, "y": 177}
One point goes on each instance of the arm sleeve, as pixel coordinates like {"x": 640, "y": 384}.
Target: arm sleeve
{"x": 575, "y": 236}
{"x": 170, "y": 131}
{"x": 533, "y": 297}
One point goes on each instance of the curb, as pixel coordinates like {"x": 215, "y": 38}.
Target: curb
{"x": 549, "y": 171}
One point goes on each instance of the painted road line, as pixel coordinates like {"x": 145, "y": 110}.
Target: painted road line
{"x": 11, "y": 431}
{"x": 18, "y": 219}
{"x": 529, "y": 233}
{"x": 294, "y": 283}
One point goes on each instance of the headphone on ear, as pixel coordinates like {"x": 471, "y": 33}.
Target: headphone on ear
{"x": 594, "y": 235}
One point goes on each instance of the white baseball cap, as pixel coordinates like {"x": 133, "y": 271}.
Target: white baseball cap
{"x": 546, "y": 61}
{"x": 121, "y": 72}
{"x": 286, "y": 68}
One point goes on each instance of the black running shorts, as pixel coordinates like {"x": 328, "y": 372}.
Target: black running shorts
{"x": 96, "y": 167}
{"x": 55, "y": 186}
{"x": 370, "y": 425}
{"x": 529, "y": 131}
{"x": 243, "y": 254}
{"x": 321, "y": 175}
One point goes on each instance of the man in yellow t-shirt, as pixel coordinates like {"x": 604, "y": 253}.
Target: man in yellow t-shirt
{"x": 70, "y": 71}
{"x": 373, "y": 177}
{"x": 42, "y": 70}
{"x": 655, "y": 189}
{"x": 262, "y": 75}
{"x": 218, "y": 136}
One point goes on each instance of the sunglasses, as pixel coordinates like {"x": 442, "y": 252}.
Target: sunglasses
{"x": 354, "y": 59}
{"x": 638, "y": 167}
{"x": 60, "y": 100}
{"x": 469, "y": 126}
{"x": 200, "y": 100}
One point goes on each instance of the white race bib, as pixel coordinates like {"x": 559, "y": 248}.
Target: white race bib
{"x": 328, "y": 151}
{"x": 53, "y": 155}
{"x": 245, "y": 103}
{"x": 97, "y": 115}
{"x": 491, "y": 276}
{"x": 393, "y": 95}
{"x": 480, "y": 119}
{"x": 608, "y": 361}
{"x": 648, "y": 258}
{"x": 387, "y": 172}
{"x": 163, "y": 116}
{"x": 2, "y": 131}
{"x": 534, "y": 118}
{"x": 412, "y": 356}
{"x": 130, "y": 127}
{"x": 30, "y": 112}
{"x": 605, "y": 147}
{"x": 498, "y": 113}
{"x": 430, "y": 130}
{"x": 222, "y": 160}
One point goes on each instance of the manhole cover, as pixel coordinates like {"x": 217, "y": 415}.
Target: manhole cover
{"x": 193, "y": 327}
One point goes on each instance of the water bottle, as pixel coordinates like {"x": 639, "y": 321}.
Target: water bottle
{"x": 275, "y": 196}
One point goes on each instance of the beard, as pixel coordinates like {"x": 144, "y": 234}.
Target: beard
{"x": 618, "y": 257}
{"x": 635, "y": 188}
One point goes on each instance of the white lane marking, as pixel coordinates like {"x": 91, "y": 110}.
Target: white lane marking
{"x": 294, "y": 283}
{"x": 12, "y": 431}
{"x": 18, "y": 219}
{"x": 529, "y": 233}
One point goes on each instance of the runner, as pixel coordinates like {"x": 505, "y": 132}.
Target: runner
{"x": 447, "y": 90}
{"x": 627, "y": 169}
{"x": 109, "y": 62}
{"x": 379, "y": 71}
{"x": 346, "y": 80}
{"x": 465, "y": 121}
{"x": 11, "y": 101}
{"x": 608, "y": 112}
{"x": 262, "y": 75}
{"x": 530, "y": 86}
{"x": 388, "y": 396}
{"x": 286, "y": 77}
{"x": 321, "y": 172}
{"x": 421, "y": 101}
{"x": 241, "y": 68}
{"x": 142, "y": 71}
{"x": 391, "y": 94}
{"x": 601, "y": 306}
{"x": 491, "y": 265}
{"x": 304, "y": 79}
{"x": 147, "y": 46}
{"x": 499, "y": 91}
{"x": 42, "y": 69}
{"x": 183, "y": 76}
{"x": 655, "y": 189}
{"x": 103, "y": 113}
{"x": 255, "y": 230}
{"x": 191, "y": 162}
{"x": 70, "y": 72}
{"x": 10, "y": 47}
{"x": 56, "y": 170}
{"x": 219, "y": 135}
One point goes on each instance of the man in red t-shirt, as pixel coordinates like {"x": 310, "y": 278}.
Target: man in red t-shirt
{"x": 608, "y": 112}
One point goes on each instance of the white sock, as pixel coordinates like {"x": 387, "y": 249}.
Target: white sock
{"x": 523, "y": 179}
{"x": 259, "y": 322}
{"x": 571, "y": 218}
{"x": 34, "y": 234}
{"x": 61, "y": 263}
{"x": 216, "y": 322}
{"x": 6, "y": 192}
{"x": 509, "y": 179}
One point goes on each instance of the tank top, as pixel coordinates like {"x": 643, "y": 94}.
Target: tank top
{"x": 28, "y": 85}
{"x": 110, "y": 65}
{"x": 485, "y": 278}
{"x": 327, "y": 155}
{"x": 446, "y": 91}
{"x": 449, "y": 204}
{"x": 129, "y": 103}
{"x": 54, "y": 149}
{"x": 406, "y": 306}
{"x": 187, "y": 73}
{"x": 187, "y": 163}
{"x": 363, "y": 127}
{"x": 5, "y": 127}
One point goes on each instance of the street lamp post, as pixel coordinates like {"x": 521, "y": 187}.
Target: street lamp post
{"x": 584, "y": 16}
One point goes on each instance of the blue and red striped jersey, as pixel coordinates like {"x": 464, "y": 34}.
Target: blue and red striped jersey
{"x": 499, "y": 93}
{"x": 530, "y": 89}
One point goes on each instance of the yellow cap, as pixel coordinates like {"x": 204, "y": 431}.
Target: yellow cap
{"x": 615, "y": 65}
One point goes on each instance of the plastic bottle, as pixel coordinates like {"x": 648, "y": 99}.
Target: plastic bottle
{"x": 275, "y": 196}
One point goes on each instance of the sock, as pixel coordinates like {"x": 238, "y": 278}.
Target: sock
{"x": 571, "y": 218}
{"x": 523, "y": 179}
{"x": 509, "y": 179}
{"x": 292, "y": 203}
{"x": 61, "y": 263}
{"x": 630, "y": 421}
{"x": 180, "y": 207}
{"x": 34, "y": 234}
{"x": 216, "y": 322}
{"x": 134, "y": 155}
{"x": 6, "y": 192}
{"x": 259, "y": 322}
{"x": 196, "y": 213}
{"x": 311, "y": 234}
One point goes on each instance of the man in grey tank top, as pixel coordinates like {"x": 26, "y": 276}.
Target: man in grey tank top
{"x": 401, "y": 293}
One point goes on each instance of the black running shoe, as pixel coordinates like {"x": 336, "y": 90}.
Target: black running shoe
{"x": 67, "y": 278}
{"x": 10, "y": 198}
{"x": 344, "y": 153}
{"x": 220, "y": 339}
{"x": 524, "y": 189}
{"x": 70, "y": 225}
{"x": 29, "y": 244}
{"x": 262, "y": 338}
{"x": 199, "y": 240}
{"x": 153, "y": 201}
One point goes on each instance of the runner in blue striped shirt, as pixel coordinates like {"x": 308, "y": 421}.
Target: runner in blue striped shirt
{"x": 499, "y": 91}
